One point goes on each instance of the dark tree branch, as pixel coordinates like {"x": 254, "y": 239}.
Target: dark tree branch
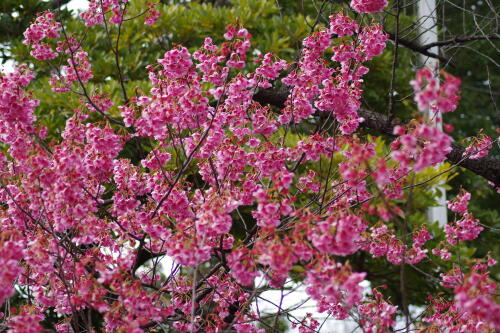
{"x": 488, "y": 168}
{"x": 143, "y": 255}
{"x": 460, "y": 40}
{"x": 272, "y": 97}
{"x": 417, "y": 48}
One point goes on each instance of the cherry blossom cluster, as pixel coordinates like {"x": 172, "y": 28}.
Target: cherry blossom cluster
{"x": 335, "y": 287}
{"x": 45, "y": 26}
{"x": 382, "y": 242}
{"x": 269, "y": 70}
{"x": 474, "y": 296}
{"x": 277, "y": 255}
{"x": 338, "y": 90}
{"x": 98, "y": 11}
{"x": 479, "y": 147}
{"x": 240, "y": 39}
{"x": 307, "y": 325}
{"x": 338, "y": 235}
{"x": 460, "y": 203}
{"x": 342, "y": 25}
{"x": 467, "y": 227}
{"x": 16, "y": 105}
{"x": 424, "y": 144}
{"x": 79, "y": 70}
{"x": 26, "y": 321}
{"x": 433, "y": 95}
{"x": 152, "y": 15}
{"x": 95, "y": 14}
{"x": 242, "y": 266}
{"x": 368, "y": 6}
{"x": 377, "y": 314}
{"x": 11, "y": 253}
{"x": 473, "y": 308}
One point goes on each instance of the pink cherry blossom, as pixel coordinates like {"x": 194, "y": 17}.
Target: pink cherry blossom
{"x": 460, "y": 203}
{"x": 368, "y": 6}
{"x": 335, "y": 287}
{"x": 342, "y": 25}
{"x": 430, "y": 94}
{"x": 479, "y": 148}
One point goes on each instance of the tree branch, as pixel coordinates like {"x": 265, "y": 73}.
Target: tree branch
{"x": 459, "y": 40}
{"x": 417, "y": 48}
{"x": 488, "y": 168}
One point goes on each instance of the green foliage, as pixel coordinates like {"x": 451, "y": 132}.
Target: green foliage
{"x": 273, "y": 324}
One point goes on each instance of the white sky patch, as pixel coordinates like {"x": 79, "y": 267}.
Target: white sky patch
{"x": 297, "y": 299}
{"x": 78, "y": 5}
{"x": 8, "y": 67}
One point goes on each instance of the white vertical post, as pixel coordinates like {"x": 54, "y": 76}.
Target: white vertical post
{"x": 427, "y": 21}
{"x": 427, "y": 24}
